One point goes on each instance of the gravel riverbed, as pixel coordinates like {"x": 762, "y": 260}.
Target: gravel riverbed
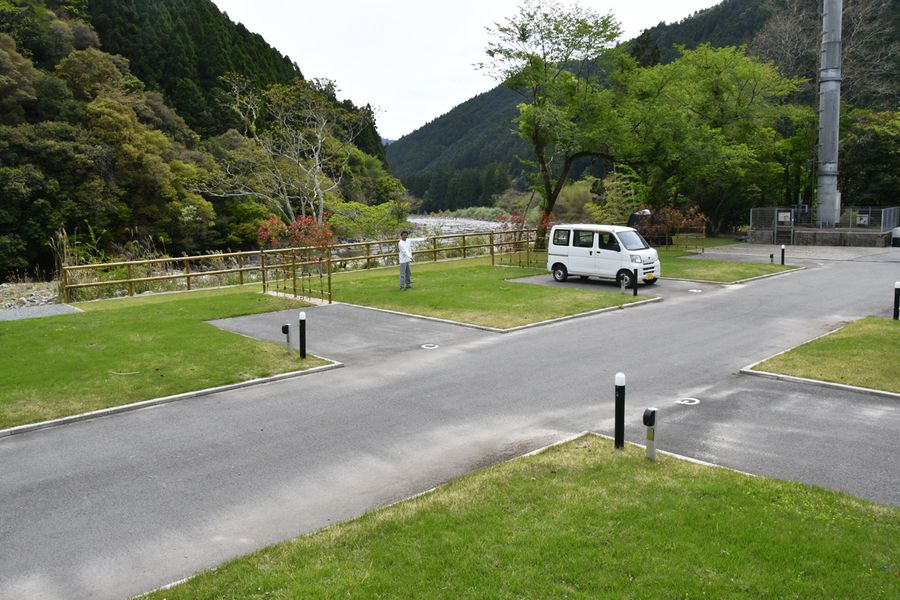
{"x": 25, "y": 294}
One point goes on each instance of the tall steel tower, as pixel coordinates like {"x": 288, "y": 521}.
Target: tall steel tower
{"x": 829, "y": 113}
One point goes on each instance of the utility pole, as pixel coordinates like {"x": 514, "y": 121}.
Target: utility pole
{"x": 829, "y": 113}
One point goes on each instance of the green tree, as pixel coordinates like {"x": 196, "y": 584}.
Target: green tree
{"x": 553, "y": 55}
{"x": 17, "y": 76}
{"x": 702, "y": 131}
{"x": 303, "y": 144}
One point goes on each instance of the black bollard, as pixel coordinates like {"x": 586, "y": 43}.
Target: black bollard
{"x": 620, "y": 410}
{"x": 897, "y": 300}
{"x": 782, "y": 254}
{"x": 772, "y": 258}
{"x": 635, "y": 281}
{"x": 302, "y": 341}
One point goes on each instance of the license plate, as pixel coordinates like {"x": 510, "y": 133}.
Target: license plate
{"x": 649, "y": 277}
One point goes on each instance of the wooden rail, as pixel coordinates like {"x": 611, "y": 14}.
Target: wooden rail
{"x": 275, "y": 266}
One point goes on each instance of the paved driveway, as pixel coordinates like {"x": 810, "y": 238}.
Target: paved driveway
{"x": 119, "y": 505}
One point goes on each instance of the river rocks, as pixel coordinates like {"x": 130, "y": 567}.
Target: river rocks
{"x": 20, "y": 295}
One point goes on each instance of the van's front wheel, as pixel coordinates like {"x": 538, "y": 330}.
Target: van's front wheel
{"x": 559, "y": 273}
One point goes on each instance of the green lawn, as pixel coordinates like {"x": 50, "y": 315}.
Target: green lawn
{"x": 125, "y": 351}
{"x": 583, "y": 520}
{"x": 675, "y": 263}
{"x": 472, "y": 291}
{"x": 865, "y": 353}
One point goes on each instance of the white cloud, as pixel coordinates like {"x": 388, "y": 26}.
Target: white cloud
{"x": 410, "y": 59}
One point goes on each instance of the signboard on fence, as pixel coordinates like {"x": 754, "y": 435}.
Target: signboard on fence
{"x": 784, "y": 218}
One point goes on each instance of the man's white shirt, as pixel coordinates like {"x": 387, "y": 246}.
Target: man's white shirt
{"x": 405, "y": 248}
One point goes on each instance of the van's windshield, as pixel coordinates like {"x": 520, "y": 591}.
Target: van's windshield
{"x": 632, "y": 240}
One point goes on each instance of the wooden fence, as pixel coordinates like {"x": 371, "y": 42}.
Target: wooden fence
{"x": 303, "y": 271}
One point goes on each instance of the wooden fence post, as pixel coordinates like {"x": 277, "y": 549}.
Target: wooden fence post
{"x": 187, "y": 273}
{"x": 328, "y": 266}
{"x": 130, "y": 282}
{"x": 294, "y": 269}
{"x": 491, "y": 237}
{"x": 262, "y": 267}
{"x": 67, "y": 294}
{"x": 241, "y": 267}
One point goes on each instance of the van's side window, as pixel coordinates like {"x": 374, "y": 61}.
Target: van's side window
{"x": 608, "y": 242}
{"x": 583, "y": 239}
{"x": 561, "y": 237}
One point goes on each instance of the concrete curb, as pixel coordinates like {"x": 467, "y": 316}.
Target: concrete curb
{"x": 750, "y": 370}
{"x": 104, "y": 412}
{"x": 739, "y": 281}
{"x": 510, "y": 329}
{"x": 820, "y": 383}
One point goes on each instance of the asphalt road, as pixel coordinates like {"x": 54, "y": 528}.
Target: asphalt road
{"x": 114, "y": 506}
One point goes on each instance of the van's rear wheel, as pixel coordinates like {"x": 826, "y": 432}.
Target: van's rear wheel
{"x": 626, "y": 277}
{"x": 559, "y": 273}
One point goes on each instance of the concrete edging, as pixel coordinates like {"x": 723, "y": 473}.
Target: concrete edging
{"x": 104, "y": 412}
{"x": 750, "y": 370}
{"x": 510, "y": 329}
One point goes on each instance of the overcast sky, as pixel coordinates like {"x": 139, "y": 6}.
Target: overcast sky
{"x": 411, "y": 60}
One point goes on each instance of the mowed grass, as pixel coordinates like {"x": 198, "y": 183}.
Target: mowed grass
{"x": 583, "y": 520}
{"x": 473, "y": 291}
{"x": 865, "y": 353}
{"x": 125, "y": 351}
{"x": 679, "y": 263}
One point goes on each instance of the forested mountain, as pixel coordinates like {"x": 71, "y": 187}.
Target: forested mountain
{"x": 181, "y": 47}
{"x": 91, "y": 148}
{"x": 730, "y": 23}
{"x": 785, "y": 32}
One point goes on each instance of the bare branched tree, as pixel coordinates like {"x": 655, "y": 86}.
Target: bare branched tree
{"x": 791, "y": 38}
{"x": 296, "y": 145}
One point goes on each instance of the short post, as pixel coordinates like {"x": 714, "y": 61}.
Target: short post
{"x": 286, "y": 330}
{"x": 650, "y": 423}
{"x": 896, "y": 300}
{"x": 302, "y": 341}
{"x": 782, "y": 254}
{"x": 772, "y": 258}
{"x": 634, "y": 281}
{"x": 620, "y": 410}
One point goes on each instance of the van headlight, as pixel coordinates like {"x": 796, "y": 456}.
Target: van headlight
{"x": 636, "y": 258}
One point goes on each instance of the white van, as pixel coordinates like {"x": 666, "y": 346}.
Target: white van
{"x": 607, "y": 251}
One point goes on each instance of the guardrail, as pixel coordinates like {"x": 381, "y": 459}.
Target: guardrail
{"x": 305, "y": 271}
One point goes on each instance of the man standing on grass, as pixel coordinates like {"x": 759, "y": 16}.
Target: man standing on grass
{"x": 405, "y": 253}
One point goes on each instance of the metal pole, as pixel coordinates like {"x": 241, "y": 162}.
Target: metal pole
{"x": 286, "y": 330}
{"x": 635, "y": 281}
{"x": 650, "y": 422}
{"x": 782, "y": 254}
{"x": 620, "y": 410}
{"x": 829, "y": 113}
